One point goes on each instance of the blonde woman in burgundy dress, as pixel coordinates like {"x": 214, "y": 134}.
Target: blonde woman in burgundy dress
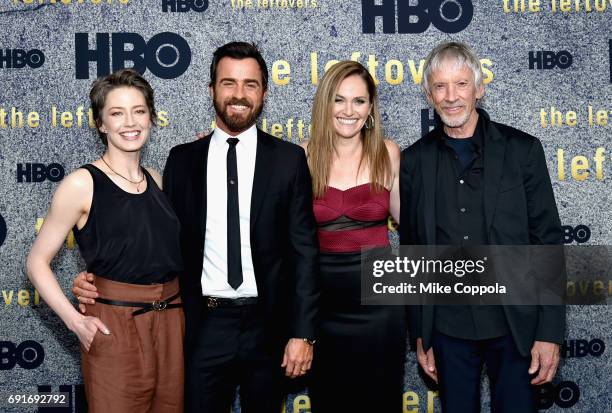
{"x": 358, "y": 363}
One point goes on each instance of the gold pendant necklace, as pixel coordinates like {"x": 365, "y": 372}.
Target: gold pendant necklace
{"x": 137, "y": 183}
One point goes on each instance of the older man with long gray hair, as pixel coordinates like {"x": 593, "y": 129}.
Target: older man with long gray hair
{"x": 450, "y": 185}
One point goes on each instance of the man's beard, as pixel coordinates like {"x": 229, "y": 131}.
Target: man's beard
{"x": 456, "y": 121}
{"x": 237, "y": 123}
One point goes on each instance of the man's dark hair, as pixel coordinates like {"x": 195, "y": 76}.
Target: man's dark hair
{"x": 238, "y": 50}
{"x": 121, "y": 78}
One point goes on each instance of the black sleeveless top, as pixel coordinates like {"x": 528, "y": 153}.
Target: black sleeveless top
{"x": 130, "y": 238}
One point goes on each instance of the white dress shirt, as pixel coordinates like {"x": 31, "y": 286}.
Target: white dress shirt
{"x": 214, "y": 266}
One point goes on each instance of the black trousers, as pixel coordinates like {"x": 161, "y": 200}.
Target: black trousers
{"x": 231, "y": 350}
{"x": 459, "y": 363}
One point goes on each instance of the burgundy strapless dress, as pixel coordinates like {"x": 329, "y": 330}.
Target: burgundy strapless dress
{"x": 359, "y": 357}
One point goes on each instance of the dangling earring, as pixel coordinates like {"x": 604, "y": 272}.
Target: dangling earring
{"x": 369, "y": 123}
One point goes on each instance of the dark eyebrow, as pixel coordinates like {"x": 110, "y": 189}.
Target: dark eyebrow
{"x": 234, "y": 80}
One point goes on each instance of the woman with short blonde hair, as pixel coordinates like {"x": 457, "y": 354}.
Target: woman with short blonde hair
{"x": 128, "y": 234}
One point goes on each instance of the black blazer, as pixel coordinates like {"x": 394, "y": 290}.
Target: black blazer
{"x": 283, "y": 234}
{"x": 519, "y": 207}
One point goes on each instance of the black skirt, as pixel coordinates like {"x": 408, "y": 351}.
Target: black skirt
{"x": 360, "y": 353}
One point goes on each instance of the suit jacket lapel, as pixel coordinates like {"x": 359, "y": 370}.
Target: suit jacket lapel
{"x": 494, "y": 151}
{"x": 200, "y": 162}
{"x": 429, "y": 168}
{"x": 264, "y": 163}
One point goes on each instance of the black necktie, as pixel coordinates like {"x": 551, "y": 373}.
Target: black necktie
{"x": 234, "y": 261}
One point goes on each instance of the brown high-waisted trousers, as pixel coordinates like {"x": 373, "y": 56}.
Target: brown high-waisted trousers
{"x": 139, "y": 366}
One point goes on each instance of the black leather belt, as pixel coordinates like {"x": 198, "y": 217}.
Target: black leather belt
{"x": 157, "y": 305}
{"x": 216, "y": 302}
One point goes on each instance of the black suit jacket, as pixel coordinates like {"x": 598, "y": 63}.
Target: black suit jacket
{"x": 283, "y": 234}
{"x": 519, "y": 207}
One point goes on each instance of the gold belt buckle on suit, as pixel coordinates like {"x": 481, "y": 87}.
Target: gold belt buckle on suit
{"x": 212, "y": 302}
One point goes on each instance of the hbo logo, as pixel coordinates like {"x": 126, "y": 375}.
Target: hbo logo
{"x": 583, "y": 348}
{"x": 448, "y": 16}
{"x": 19, "y": 58}
{"x": 167, "y": 55}
{"x": 28, "y": 355}
{"x": 546, "y": 59}
{"x": 565, "y": 394}
{"x": 38, "y": 172}
{"x": 580, "y": 234}
{"x": 183, "y": 6}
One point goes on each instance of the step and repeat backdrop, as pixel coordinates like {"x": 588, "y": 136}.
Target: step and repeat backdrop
{"x": 548, "y": 71}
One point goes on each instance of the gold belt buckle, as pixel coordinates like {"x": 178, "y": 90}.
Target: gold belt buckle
{"x": 211, "y": 302}
{"x": 159, "y": 305}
